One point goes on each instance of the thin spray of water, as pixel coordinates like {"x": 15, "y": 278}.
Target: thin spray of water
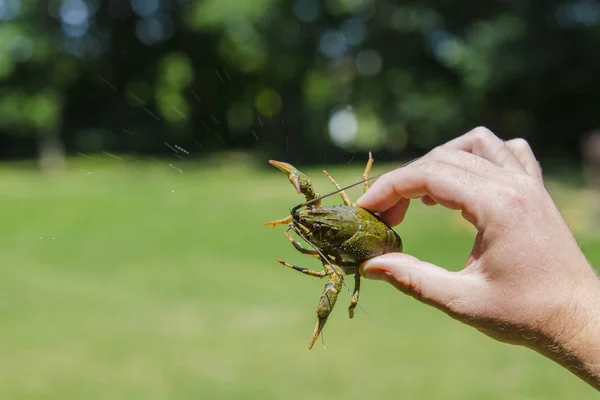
{"x": 210, "y": 126}
{"x": 224, "y": 78}
{"x": 103, "y": 79}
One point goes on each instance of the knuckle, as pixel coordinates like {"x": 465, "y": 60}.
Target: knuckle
{"x": 519, "y": 143}
{"x": 436, "y": 153}
{"x": 482, "y": 137}
{"x": 482, "y": 134}
{"x": 440, "y": 154}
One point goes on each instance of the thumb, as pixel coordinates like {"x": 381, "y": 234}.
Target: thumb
{"x": 449, "y": 291}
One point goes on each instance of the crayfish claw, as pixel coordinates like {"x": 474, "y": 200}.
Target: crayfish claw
{"x": 301, "y": 183}
{"x": 292, "y": 173}
{"x": 296, "y": 183}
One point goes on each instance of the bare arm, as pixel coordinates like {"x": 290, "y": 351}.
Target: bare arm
{"x": 526, "y": 280}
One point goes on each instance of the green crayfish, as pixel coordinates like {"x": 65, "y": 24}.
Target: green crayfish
{"x": 342, "y": 237}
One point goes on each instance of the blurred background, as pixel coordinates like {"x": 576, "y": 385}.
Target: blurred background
{"x": 134, "y": 140}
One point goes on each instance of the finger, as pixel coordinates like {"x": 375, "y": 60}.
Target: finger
{"x": 472, "y": 163}
{"x": 428, "y": 201}
{"x": 449, "y": 291}
{"x": 469, "y": 162}
{"x": 395, "y": 215}
{"x": 449, "y": 186}
{"x": 483, "y": 143}
{"x": 524, "y": 154}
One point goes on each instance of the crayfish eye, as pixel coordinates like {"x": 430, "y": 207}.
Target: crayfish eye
{"x": 317, "y": 226}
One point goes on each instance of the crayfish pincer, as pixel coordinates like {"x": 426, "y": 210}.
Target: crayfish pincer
{"x": 341, "y": 237}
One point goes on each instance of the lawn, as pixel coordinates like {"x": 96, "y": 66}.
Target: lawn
{"x": 132, "y": 280}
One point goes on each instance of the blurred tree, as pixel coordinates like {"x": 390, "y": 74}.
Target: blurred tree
{"x": 311, "y": 78}
{"x": 34, "y": 75}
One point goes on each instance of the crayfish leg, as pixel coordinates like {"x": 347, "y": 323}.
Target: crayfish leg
{"x": 283, "y": 221}
{"x": 301, "y": 249}
{"x": 354, "y": 300}
{"x": 343, "y": 194}
{"x": 367, "y": 170}
{"x": 306, "y": 271}
{"x": 327, "y": 301}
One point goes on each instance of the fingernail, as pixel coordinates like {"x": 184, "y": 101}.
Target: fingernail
{"x": 368, "y": 272}
{"x": 363, "y": 270}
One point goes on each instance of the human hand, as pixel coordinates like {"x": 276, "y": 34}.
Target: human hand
{"x": 526, "y": 281}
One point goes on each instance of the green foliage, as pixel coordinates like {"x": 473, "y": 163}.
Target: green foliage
{"x": 317, "y": 88}
{"x": 175, "y": 75}
{"x": 43, "y": 109}
{"x": 268, "y": 102}
{"x": 419, "y": 73}
{"x": 218, "y": 13}
{"x": 34, "y": 112}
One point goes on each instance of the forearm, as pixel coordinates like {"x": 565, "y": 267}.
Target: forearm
{"x": 577, "y": 348}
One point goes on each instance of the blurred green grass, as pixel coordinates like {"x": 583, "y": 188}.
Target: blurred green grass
{"x": 131, "y": 280}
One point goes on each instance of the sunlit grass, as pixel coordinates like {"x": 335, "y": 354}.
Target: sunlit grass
{"x": 135, "y": 281}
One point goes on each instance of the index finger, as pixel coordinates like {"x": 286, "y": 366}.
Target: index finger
{"x": 483, "y": 143}
{"x": 448, "y": 185}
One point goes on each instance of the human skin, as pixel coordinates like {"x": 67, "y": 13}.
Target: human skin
{"x": 526, "y": 281}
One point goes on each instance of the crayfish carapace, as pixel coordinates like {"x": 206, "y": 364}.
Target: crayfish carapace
{"x": 341, "y": 237}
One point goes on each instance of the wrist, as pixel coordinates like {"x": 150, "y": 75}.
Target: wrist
{"x": 573, "y": 338}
